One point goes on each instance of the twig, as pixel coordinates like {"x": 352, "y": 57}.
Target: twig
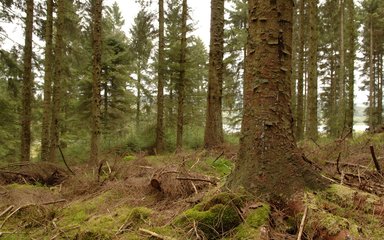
{"x": 377, "y": 165}
{"x": 198, "y": 160}
{"x": 196, "y": 179}
{"x": 153, "y": 234}
{"x": 12, "y": 213}
{"x": 310, "y": 162}
{"x": 221, "y": 154}
{"x": 346, "y": 164}
{"x": 65, "y": 162}
{"x": 7, "y": 210}
{"x": 301, "y": 229}
{"x": 52, "y": 202}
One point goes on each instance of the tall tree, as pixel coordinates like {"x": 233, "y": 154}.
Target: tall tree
{"x": 57, "y": 81}
{"x": 181, "y": 80}
{"x": 26, "y": 115}
{"x": 267, "y": 145}
{"x": 351, "y": 29}
{"x": 160, "y": 83}
{"x": 97, "y": 6}
{"x": 300, "y": 82}
{"x": 312, "y": 132}
{"x": 342, "y": 99}
{"x": 47, "y": 109}
{"x": 214, "y": 125}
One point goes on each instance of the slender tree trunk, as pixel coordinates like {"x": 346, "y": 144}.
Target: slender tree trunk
{"x": 213, "y": 136}
{"x": 138, "y": 98}
{"x": 160, "y": 83}
{"x": 300, "y": 82}
{"x": 268, "y": 163}
{"x": 105, "y": 100}
{"x": 181, "y": 83}
{"x": 26, "y": 115}
{"x": 351, "y": 65}
{"x": 295, "y": 46}
{"x": 379, "y": 90}
{"x": 371, "y": 77}
{"x": 47, "y": 107}
{"x": 57, "y": 81}
{"x": 96, "y": 76}
{"x": 312, "y": 132}
{"x": 342, "y": 101}
{"x": 333, "y": 98}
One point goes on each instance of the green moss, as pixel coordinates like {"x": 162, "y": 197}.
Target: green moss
{"x": 214, "y": 216}
{"x": 256, "y": 218}
{"x": 129, "y": 158}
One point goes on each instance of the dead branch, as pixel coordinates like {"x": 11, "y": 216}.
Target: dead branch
{"x": 7, "y": 210}
{"x": 156, "y": 235}
{"x": 311, "y": 163}
{"x": 346, "y": 164}
{"x": 337, "y": 163}
{"x": 301, "y": 229}
{"x": 65, "y": 162}
{"x": 52, "y": 202}
{"x": 196, "y": 179}
{"x": 377, "y": 165}
{"x": 221, "y": 154}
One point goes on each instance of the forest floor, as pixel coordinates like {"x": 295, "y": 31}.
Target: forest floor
{"x": 181, "y": 196}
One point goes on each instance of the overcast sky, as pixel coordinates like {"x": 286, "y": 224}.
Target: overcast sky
{"x": 200, "y": 13}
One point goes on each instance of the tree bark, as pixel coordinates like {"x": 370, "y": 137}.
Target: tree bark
{"x": 371, "y": 77}
{"x": 269, "y": 164}
{"x": 213, "y": 135}
{"x": 342, "y": 101}
{"x": 26, "y": 115}
{"x": 96, "y": 76}
{"x": 160, "y": 83}
{"x": 181, "y": 83}
{"x": 57, "y": 81}
{"x": 312, "y": 132}
{"x": 47, "y": 107}
{"x": 300, "y": 83}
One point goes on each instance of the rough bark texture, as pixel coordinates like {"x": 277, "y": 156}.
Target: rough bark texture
{"x": 160, "y": 83}
{"x": 269, "y": 163}
{"x": 96, "y": 75}
{"x": 214, "y": 125}
{"x": 379, "y": 90}
{"x": 57, "y": 81}
{"x": 300, "y": 82}
{"x": 312, "y": 132}
{"x": 26, "y": 114}
{"x": 342, "y": 101}
{"x": 351, "y": 63}
{"x": 295, "y": 50}
{"x": 181, "y": 83}
{"x": 47, "y": 109}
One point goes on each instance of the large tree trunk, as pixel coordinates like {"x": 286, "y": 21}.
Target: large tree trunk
{"x": 181, "y": 83}
{"x": 269, "y": 163}
{"x": 57, "y": 81}
{"x": 300, "y": 83}
{"x": 295, "y": 49}
{"x": 26, "y": 114}
{"x": 312, "y": 132}
{"x": 96, "y": 75}
{"x": 160, "y": 83}
{"x": 214, "y": 125}
{"x": 351, "y": 64}
{"x": 47, "y": 107}
{"x": 371, "y": 77}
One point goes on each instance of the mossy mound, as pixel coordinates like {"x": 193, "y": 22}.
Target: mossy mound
{"x": 255, "y": 219}
{"x": 215, "y": 216}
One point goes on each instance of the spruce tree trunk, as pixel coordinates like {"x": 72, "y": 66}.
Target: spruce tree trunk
{"x": 379, "y": 90}
{"x": 295, "y": 46}
{"x": 269, "y": 164}
{"x": 26, "y": 114}
{"x": 181, "y": 83}
{"x": 342, "y": 101}
{"x": 351, "y": 64}
{"x": 57, "y": 81}
{"x": 333, "y": 98}
{"x": 96, "y": 77}
{"x": 138, "y": 98}
{"x": 371, "y": 77}
{"x": 312, "y": 132}
{"x": 47, "y": 107}
{"x": 213, "y": 135}
{"x": 300, "y": 83}
{"x": 160, "y": 83}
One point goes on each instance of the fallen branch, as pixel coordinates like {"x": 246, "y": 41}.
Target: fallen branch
{"x": 311, "y": 163}
{"x": 51, "y": 202}
{"x": 156, "y": 235}
{"x": 346, "y": 164}
{"x": 337, "y": 163}
{"x": 7, "y": 210}
{"x": 65, "y": 162}
{"x": 221, "y": 154}
{"x": 301, "y": 229}
{"x": 377, "y": 165}
{"x": 196, "y": 179}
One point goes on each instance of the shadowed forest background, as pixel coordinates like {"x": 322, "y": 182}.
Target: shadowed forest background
{"x": 273, "y": 131}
